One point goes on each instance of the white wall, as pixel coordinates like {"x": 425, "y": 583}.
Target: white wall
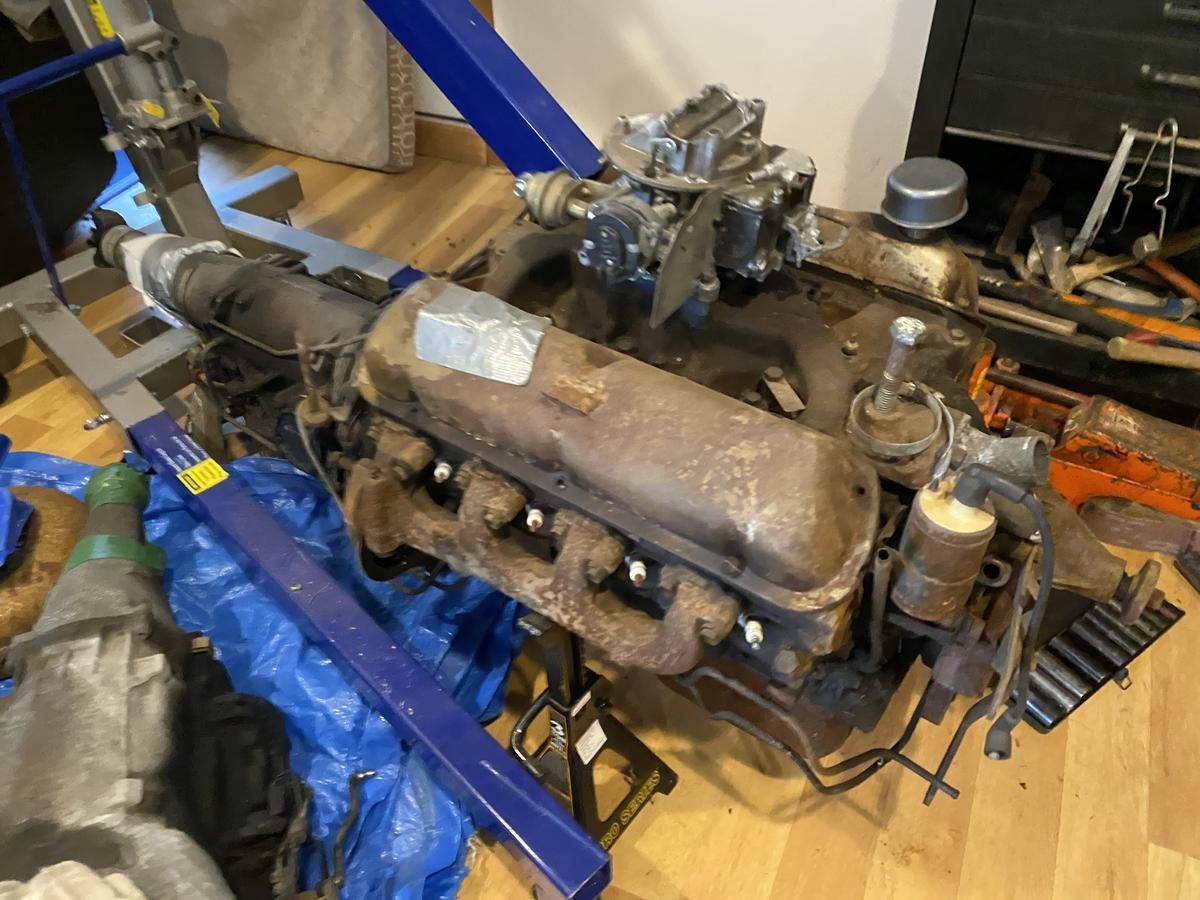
{"x": 839, "y": 76}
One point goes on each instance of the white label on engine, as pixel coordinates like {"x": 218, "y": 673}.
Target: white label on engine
{"x": 591, "y": 742}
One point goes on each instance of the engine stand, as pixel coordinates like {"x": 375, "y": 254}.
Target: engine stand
{"x": 581, "y": 726}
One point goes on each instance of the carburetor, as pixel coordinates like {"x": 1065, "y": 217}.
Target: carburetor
{"x": 698, "y": 191}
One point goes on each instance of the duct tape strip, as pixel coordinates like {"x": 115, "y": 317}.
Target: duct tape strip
{"x": 117, "y": 483}
{"x": 115, "y": 546}
{"x": 479, "y": 334}
{"x": 151, "y": 261}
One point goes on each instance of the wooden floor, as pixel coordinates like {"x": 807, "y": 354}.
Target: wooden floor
{"x": 1107, "y": 806}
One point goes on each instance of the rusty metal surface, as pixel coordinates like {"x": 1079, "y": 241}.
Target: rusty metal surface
{"x": 965, "y": 666}
{"x": 1109, "y": 449}
{"x": 1127, "y": 523}
{"x": 389, "y": 513}
{"x": 709, "y": 468}
{"x": 936, "y": 270}
{"x": 938, "y": 566}
{"x": 1081, "y": 562}
{"x": 824, "y": 729}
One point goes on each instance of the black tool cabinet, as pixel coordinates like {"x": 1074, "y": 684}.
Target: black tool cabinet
{"x": 1059, "y": 74}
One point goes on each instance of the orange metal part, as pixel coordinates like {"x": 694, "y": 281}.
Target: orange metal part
{"x": 1104, "y": 448}
{"x": 1110, "y": 450}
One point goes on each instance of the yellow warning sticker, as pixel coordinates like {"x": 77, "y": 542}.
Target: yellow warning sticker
{"x": 153, "y": 109}
{"x": 202, "y": 476}
{"x": 100, "y": 17}
{"x": 213, "y": 113}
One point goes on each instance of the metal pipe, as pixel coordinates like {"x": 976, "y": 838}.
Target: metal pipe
{"x": 1038, "y": 388}
{"x": 1156, "y": 618}
{"x": 1068, "y": 650}
{"x": 1051, "y": 667}
{"x": 58, "y": 69}
{"x": 1113, "y": 652}
{"x": 1035, "y": 710}
{"x": 881, "y": 577}
{"x": 1024, "y": 459}
{"x": 1182, "y": 143}
{"x": 1042, "y": 683}
{"x": 1013, "y": 312}
{"x": 1131, "y": 629}
{"x": 1117, "y": 635}
{"x": 809, "y": 763}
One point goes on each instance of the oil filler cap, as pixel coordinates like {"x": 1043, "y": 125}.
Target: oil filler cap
{"x": 925, "y": 194}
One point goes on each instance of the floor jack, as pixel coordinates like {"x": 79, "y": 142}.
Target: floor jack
{"x": 581, "y": 727}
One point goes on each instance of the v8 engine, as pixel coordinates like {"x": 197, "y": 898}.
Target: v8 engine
{"x": 717, "y": 431}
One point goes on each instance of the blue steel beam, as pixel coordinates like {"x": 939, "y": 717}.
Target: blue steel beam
{"x": 58, "y": 69}
{"x": 486, "y": 81}
{"x": 502, "y": 796}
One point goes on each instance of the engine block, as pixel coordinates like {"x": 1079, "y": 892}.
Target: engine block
{"x": 647, "y": 426}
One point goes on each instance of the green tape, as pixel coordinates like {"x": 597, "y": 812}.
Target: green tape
{"x": 116, "y": 546}
{"x": 117, "y": 483}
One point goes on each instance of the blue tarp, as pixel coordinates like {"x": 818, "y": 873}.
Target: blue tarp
{"x": 410, "y": 837}
{"x": 14, "y": 514}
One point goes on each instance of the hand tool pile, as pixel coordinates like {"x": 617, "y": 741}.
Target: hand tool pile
{"x": 1139, "y": 298}
{"x": 1118, "y": 323}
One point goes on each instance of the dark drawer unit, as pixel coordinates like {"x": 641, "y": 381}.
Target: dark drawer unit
{"x": 1065, "y": 74}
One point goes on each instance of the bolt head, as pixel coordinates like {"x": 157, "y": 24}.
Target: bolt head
{"x": 442, "y": 472}
{"x": 907, "y": 330}
{"x": 637, "y": 572}
{"x": 535, "y": 519}
{"x": 1146, "y": 246}
{"x": 773, "y": 373}
{"x": 1007, "y": 364}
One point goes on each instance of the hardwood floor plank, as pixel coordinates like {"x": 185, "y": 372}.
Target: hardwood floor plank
{"x": 1102, "y": 835}
{"x": 1012, "y": 839}
{"x": 1171, "y": 875}
{"x": 919, "y": 851}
